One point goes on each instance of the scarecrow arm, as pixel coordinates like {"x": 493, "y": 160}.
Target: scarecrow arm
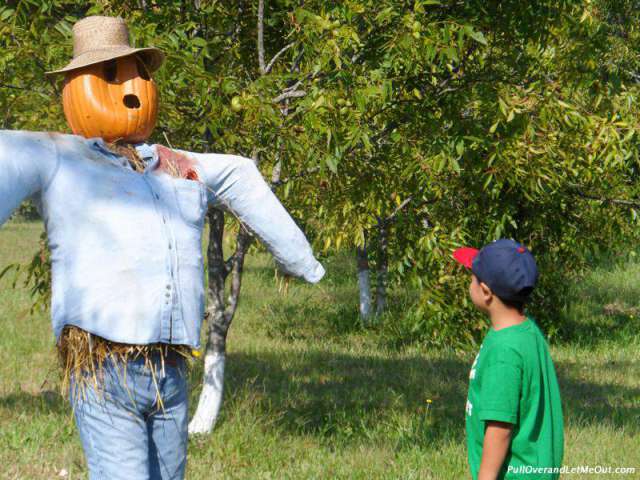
{"x": 236, "y": 184}
{"x": 27, "y": 162}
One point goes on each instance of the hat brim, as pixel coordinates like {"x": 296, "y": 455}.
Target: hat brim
{"x": 465, "y": 256}
{"x": 153, "y": 58}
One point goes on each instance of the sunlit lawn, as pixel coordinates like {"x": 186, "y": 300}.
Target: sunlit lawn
{"x": 304, "y": 401}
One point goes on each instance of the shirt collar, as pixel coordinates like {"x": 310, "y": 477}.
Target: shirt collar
{"x": 147, "y": 153}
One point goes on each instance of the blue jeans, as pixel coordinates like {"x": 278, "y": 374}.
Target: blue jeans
{"x": 124, "y": 432}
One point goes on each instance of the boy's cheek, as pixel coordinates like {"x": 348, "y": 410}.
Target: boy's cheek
{"x": 473, "y": 293}
{"x": 475, "y": 301}
{"x": 476, "y": 295}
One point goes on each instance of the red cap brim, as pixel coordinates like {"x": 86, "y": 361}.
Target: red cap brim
{"x": 465, "y": 255}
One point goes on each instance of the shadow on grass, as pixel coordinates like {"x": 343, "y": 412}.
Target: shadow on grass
{"x": 594, "y": 404}
{"x": 604, "y": 305}
{"x": 341, "y": 398}
{"x": 589, "y": 332}
{"x": 44, "y": 402}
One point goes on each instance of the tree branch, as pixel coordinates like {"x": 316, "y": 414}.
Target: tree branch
{"x": 276, "y": 56}
{"x": 290, "y": 94}
{"x": 243, "y": 240}
{"x": 263, "y": 68}
{"x": 296, "y": 62}
{"x": 228, "y": 265}
{"x": 13, "y": 87}
{"x": 216, "y": 267}
{"x": 398, "y": 209}
{"x": 616, "y": 201}
{"x": 297, "y": 175}
{"x": 389, "y": 218}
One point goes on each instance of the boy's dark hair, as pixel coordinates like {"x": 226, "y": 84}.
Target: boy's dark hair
{"x": 520, "y": 303}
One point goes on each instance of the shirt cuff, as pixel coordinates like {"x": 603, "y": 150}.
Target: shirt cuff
{"x": 315, "y": 274}
{"x": 497, "y": 416}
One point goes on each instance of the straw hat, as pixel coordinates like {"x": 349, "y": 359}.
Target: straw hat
{"x": 97, "y": 39}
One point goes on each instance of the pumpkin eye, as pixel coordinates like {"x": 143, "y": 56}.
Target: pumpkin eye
{"x": 110, "y": 70}
{"x": 143, "y": 71}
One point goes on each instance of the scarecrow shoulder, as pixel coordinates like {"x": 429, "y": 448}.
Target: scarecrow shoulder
{"x": 35, "y": 144}
{"x": 25, "y": 146}
{"x": 214, "y": 168}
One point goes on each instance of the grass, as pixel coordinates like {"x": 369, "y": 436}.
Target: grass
{"x": 307, "y": 398}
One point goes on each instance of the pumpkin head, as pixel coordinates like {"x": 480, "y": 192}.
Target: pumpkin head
{"x": 114, "y": 100}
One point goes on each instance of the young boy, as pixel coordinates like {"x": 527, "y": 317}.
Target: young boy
{"x": 514, "y": 413}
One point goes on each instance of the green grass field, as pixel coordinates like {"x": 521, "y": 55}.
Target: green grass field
{"x": 307, "y": 399}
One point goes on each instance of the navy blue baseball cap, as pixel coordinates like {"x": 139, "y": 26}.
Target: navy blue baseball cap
{"x": 506, "y": 266}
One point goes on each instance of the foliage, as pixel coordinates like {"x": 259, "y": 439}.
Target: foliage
{"x": 27, "y": 211}
{"x": 36, "y": 276}
{"x": 449, "y": 122}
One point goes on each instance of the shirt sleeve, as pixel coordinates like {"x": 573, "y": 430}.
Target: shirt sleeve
{"x": 500, "y": 386}
{"x": 236, "y": 184}
{"x": 27, "y": 163}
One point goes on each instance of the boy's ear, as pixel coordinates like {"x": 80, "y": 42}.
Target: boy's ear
{"x": 486, "y": 291}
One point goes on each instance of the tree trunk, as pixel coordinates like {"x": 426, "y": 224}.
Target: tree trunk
{"x": 220, "y": 315}
{"x": 383, "y": 268}
{"x": 213, "y": 378}
{"x": 364, "y": 285}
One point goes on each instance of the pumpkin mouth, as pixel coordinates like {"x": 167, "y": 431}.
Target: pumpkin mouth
{"x": 131, "y": 101}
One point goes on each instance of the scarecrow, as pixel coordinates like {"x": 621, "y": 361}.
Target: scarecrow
{"x": 124, "y": 222}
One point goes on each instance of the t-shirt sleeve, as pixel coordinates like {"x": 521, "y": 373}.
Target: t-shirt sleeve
{"x": 500, "y": 386}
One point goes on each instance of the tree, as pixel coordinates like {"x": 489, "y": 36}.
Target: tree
{"x": 447, "y": 123}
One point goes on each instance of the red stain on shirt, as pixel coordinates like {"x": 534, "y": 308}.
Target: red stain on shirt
{"x": 174, "y": 163}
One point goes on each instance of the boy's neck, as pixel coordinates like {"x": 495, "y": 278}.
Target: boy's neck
{"x": 504, "y": 317}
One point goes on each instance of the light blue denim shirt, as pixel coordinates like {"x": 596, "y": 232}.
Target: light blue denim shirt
{"x": 126, "y": 246}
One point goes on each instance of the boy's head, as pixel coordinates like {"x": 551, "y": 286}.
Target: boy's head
{"x": 503, "y": 270}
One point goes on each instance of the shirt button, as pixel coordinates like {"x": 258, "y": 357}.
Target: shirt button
{"x": 168, "y": 295}
{"x": 169, "y": 246}
{"x": 157, "y": 196}
{"x": 168, "y": 287}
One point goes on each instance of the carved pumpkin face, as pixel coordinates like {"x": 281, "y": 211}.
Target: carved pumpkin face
{"x": 114, "y": 100}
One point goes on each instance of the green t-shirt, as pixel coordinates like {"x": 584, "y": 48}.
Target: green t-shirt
{"x": 513, "y": 380}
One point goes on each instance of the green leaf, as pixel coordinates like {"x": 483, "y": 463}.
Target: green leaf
{"x": 503, "y": 107}
{"x": 478, "y": 37}
{"x": 6, "y": 13}
{"x": 199, "y": 42}
{"x": 332, "y": 164}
